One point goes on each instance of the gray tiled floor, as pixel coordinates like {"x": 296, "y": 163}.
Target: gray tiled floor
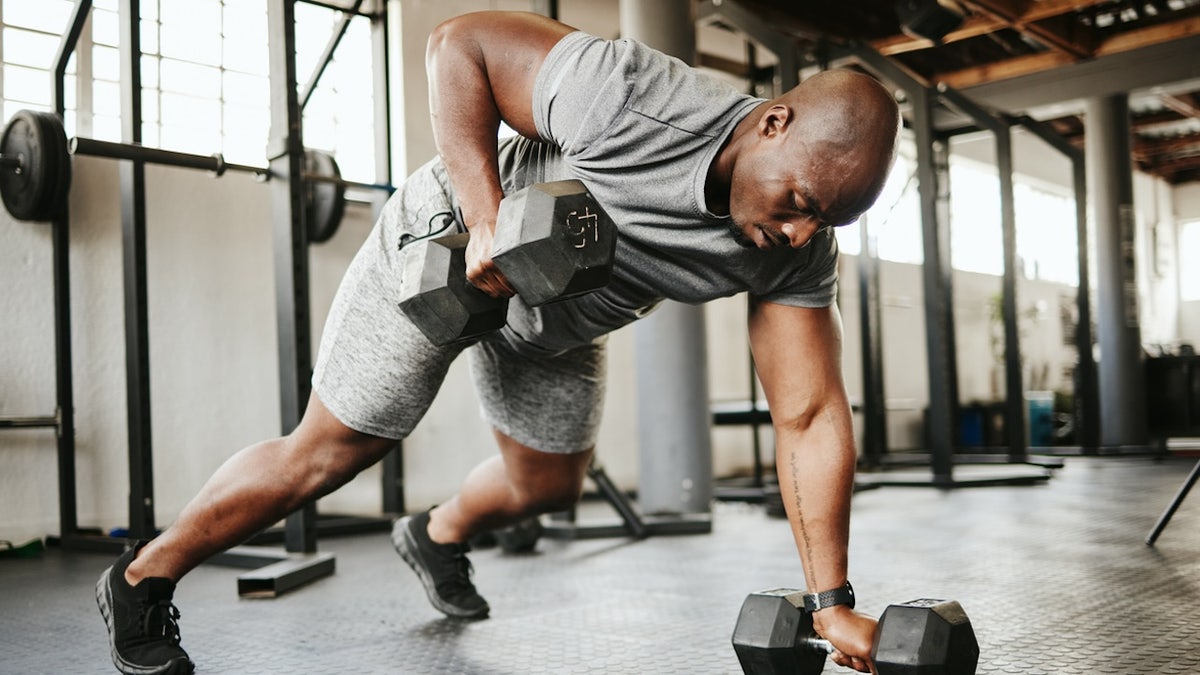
{"x": 1055, "y": 577}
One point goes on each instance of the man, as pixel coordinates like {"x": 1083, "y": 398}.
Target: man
{"x": 713, "y": 193}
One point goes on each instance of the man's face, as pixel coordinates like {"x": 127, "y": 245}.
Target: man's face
{"x": 783, "y": 191}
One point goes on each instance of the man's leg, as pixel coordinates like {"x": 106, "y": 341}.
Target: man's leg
{"x": 256, "y": 488}
{"x": 519, "y": 483}
{"x": 252, "y": 490}
{"x": 502, "y": 490}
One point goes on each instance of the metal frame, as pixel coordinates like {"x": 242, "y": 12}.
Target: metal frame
{"x": 1165, "y": 518}
{"x": 875, "y": 445}
{"x": 1087, "y": 388}
{"x": 933, "y": 185}
{"x": 300, "y": 561}
{"x": 63, "y": 419}
{"x": 1014, "y": 410}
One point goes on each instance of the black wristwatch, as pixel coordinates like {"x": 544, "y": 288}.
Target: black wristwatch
{"x": 842, "y": 595}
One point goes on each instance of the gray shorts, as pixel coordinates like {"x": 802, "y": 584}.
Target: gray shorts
{"x": 378, "y": 374}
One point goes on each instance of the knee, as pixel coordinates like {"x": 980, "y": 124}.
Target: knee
{"x": 549, "y": 493}
{"x": 319, "y": 465}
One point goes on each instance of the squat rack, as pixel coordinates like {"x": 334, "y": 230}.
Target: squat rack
{"x": 300, "y": 563}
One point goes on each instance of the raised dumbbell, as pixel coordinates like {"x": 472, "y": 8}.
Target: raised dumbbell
{"x": 553, "y": 241}
{"x": 774, "y": 635}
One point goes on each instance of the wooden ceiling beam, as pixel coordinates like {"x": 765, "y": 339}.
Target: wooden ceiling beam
{"x": 1185, "y": 107}
{"x": 1003, "y": 70}
{"x": 1065, "y": 36}
{"x": 1174, "y": 166}
{"x": 982, "y": 24}
{"x": 1033, "y": 63}
{"x": 1180, "y": 177}
{"x": 1168, "y": 148}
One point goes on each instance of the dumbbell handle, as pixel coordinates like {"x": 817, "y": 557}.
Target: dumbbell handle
{"x": 818, "y": 644}
{"x": 12, "y": 161}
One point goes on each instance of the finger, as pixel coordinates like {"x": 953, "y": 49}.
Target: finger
{"x": 856, "y": 663}
{"x": 504, "y": 286}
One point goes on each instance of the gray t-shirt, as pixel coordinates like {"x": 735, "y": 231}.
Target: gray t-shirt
{"x": 641, "y": 129}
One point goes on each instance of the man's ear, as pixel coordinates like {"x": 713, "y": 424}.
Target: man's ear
{"x": 775, "y": 120}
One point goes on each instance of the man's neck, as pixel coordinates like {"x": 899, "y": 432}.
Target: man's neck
{"x": 720, "y": 172}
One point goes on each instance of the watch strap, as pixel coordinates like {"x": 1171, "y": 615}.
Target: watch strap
{"x": 842, "y": 595}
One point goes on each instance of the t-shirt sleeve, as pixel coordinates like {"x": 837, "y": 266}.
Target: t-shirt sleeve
{"x": 580, "y": 90}
{"x": 813, "y": 284}
{"x": 592, "y": 97}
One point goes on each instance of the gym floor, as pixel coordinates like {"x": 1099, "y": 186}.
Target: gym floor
{"x": 1055, "y": 576}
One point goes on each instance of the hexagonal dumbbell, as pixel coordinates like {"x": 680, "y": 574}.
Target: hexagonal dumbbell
{"x": 437, "y": 298}
{"x": 552, "y": 242}
{"x": 774, "y": 635}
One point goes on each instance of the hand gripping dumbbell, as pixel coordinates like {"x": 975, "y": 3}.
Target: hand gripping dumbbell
{"x": 774, "y": 635}
{"x": 553, "y": 241}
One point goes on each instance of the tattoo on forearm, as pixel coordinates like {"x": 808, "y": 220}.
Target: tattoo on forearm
{"x": 807, "y": 543}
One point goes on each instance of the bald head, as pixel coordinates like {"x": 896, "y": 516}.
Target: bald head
{"x": 816, "y": 157}
{"x": 853, "y": 121}
{"x": 851, "y": 116}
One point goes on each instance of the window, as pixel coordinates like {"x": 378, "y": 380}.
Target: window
{"x": 894, "y": 220}
{"x": 1189, "y": 275}
{"x": 1045, "y": 226}
{"x": 1045, "y": 223}
{"x": 28, "y": 44}
{"x": 205, "y": 76}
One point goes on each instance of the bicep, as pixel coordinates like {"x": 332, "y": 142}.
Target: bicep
{"x": 797, "y": 354}
{"x": 508, "y": 47}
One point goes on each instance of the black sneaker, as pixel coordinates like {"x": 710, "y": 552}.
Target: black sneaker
{"x": 443, "y": 569}
{"x": 143, "y": 628}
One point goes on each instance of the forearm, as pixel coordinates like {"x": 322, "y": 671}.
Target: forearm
{"x": 815, "y": 464}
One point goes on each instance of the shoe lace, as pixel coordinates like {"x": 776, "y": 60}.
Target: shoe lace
{"x": 160, "y": 620}
{"x": 459, "y": 582}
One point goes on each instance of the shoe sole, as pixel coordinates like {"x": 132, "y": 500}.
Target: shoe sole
{"x": 404, "y": 544}
{"x": 104, "y": 602}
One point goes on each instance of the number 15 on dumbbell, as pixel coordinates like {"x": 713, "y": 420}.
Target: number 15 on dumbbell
{"x": 553, "y": 241}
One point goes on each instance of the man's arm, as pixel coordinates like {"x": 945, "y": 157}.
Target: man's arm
{"x": 481, "y": 69}
{"x": 797, "y": 354}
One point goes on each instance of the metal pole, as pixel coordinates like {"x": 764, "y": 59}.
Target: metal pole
{"x": 1087, "y": 387}
{"x": 1014, "y": 386}
{"x": 137, "y": 333}
{"x": 675, "y": 446}
{"x": 335, "y": 39}
{"x": 132, "y": 151}
{"x": 1110, "y": 185}
{"x": 392, "y": 468}
{"x": 939, "y": 336}
{"x": 63, "y": 362}
{"x": 871, "y": 319}
{"x": 286, "y": 155}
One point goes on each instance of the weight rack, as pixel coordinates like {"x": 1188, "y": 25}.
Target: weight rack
{"x": 289, "y": 177}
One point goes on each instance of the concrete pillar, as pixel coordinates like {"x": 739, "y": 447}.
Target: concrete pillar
{"x": 675, "y": 446}
{"x": 1110, "y": 187}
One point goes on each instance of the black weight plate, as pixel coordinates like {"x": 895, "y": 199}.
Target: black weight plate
{"x": 324, "y": 202}
{"x": 58, "y": 163}
{"x": 23, "y": 188}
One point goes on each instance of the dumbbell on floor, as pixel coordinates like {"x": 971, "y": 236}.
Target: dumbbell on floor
{"x": 774, "y": 635}
{"x": 553, "y": 241}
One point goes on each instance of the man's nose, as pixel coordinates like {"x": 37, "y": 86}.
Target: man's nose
{"x": 798, "y": 235}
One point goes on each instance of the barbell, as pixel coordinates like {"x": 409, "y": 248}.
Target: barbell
{"x": 35, "y": 171}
